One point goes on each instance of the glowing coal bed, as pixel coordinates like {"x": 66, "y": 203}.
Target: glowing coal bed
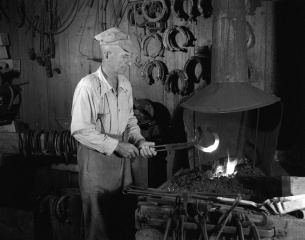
{"x": 214, "y": 178}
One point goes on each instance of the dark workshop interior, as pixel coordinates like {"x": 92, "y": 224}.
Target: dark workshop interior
{"x": 219, "y": 84}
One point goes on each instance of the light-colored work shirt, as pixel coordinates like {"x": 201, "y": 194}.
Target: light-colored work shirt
{"x": 98, "y": 109}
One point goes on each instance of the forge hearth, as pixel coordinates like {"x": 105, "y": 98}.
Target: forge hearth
{"x": 247, "y": 181}
{"x": 190, "y": 206}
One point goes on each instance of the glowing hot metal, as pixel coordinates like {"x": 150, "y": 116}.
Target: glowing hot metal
{"x": 176, "y": 146}
{"x": 211, "y": 148}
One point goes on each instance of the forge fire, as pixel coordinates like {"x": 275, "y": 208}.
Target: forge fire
{"x": 237, "y": 177}
{"x": 225, "y": 167}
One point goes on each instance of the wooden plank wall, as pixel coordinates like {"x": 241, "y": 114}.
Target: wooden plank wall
{"x": 45, "y": 99}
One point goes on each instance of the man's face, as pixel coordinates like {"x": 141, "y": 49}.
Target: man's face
{"x": 120, "y": 60}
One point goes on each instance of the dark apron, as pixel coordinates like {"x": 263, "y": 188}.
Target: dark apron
{"x": 101, "y": 179}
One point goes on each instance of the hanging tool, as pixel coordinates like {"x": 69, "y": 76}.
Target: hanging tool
{"x": 41, "y": 58}
{"x": 3, "y": 12}
{"x": 51, "y": 50}
{"x": 59, "y": 26}
{"x": 226, "y": 216}
{"x": 20, "y": 6}
{"x": 202, "y": 223}
{"x": 31, "y": 49}
{"x": 90, "y": 57}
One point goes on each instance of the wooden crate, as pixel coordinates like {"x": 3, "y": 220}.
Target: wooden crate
{"x": 292, "y": 185}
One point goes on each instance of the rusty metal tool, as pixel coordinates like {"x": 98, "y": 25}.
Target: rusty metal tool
{"x": 151, "y": 192}
{"x": 202, "y": 223}
{"x": 225, "y": 217}
{"x": 173, "y": 146}
{"x": 239, "y": 227}
{"x": 168, "y": 225}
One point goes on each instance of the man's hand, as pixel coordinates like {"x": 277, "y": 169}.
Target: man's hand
{"x": 127, "y": 150}
{"x": 146, "y": 148}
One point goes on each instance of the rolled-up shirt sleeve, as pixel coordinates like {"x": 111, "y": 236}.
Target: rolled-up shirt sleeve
{"x": 83, "y": 124}
{"x": 133, "y": 129}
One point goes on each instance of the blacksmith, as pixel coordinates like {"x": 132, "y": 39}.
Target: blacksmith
{"x": 102, "y": 114}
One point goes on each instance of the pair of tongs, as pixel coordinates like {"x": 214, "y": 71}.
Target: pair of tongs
{"x": 173, "y": 146}
{"x": 177, "y": 146}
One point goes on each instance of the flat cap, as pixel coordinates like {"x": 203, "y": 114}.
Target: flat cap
{"x": 115, "y": 36}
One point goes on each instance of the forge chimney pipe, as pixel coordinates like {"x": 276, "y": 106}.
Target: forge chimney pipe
{"x": 229, "y": 90}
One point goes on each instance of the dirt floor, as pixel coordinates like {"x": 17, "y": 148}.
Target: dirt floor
{"x": 247, "y": 181}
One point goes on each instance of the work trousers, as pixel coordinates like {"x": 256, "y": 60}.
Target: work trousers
{"x": 101, "y": 180}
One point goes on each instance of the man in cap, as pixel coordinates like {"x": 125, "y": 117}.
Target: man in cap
{"x": 102, "y": 110}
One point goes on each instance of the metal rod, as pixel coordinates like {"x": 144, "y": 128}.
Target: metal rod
{"x": 174, "y": 146}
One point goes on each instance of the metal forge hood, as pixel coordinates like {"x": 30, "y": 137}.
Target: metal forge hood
{"x": 229, "y": 90}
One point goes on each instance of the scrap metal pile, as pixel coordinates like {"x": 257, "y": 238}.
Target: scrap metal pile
{"x": 195, "y": 205}
{"x": 195, "y": 215}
